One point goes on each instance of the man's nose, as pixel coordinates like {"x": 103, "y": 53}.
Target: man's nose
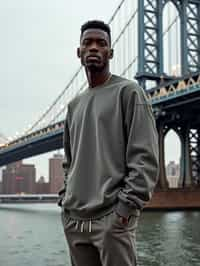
{"x": 93, "y": 46}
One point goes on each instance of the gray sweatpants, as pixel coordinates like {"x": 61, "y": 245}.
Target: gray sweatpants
{"x": 101, "y": 242}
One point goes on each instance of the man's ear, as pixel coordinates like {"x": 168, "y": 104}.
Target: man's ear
{"x": 78, "y": 52}
{"x": 111, "y": 53}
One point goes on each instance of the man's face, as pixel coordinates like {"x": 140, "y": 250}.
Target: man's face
{"x": 95, "y": 50}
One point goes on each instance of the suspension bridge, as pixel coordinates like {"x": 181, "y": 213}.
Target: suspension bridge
{"x": 156, "y": 42}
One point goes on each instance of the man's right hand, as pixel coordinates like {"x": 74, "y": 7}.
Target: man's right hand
{"x": 59, "y": 202}
{"x": 61, "y": 194}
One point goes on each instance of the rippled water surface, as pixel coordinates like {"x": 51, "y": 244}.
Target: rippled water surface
{"x": 32, "y": 235}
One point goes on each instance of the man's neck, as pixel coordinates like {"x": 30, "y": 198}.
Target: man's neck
{"x": 96, "y": 79}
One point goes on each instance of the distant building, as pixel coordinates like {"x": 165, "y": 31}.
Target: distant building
{"x": 56, "y": 174}
{"x": 173, "y": 174}
{"x": 42, "y": 187}
{"x": 1, "y": 187}
{"x": 18, "y": 178}
{"x": 173, "y": 181}
{"x": 41, "y": 180}
{"x": 172, "y": 169}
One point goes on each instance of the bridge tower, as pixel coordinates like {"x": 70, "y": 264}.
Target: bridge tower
{"x": 150, "y": 68}
{"x": 150, "y": 38}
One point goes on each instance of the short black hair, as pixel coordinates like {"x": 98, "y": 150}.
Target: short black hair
{"x": 96, "y": 24}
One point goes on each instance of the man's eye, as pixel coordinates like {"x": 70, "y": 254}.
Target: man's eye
{"x": 102, "y": 43}
{"x": 86, "y": 42}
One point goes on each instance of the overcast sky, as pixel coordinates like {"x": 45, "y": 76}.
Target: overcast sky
{"x": 38, "y": 44}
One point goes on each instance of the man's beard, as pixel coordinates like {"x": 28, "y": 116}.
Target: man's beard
{"x": 94, "y": 68}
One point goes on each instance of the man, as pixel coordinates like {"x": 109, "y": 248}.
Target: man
{"x": 111, "y": 167}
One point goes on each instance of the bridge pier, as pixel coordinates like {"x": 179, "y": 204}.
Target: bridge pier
{"x": 185, "y": 179}
{"x": 190, "y": 153}
{"x": 162, "y": 182}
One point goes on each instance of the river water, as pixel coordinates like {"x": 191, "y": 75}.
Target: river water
{"x": 32, "y": 235}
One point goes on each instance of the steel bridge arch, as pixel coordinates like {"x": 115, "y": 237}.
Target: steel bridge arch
{"x": 177, "y": 132}
{"x": 176, "y": 4}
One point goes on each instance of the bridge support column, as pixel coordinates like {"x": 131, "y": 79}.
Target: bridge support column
{"x": 198, "y": 158}
{"x": 185, "y": 179}
{"x": 162, "y": 182}
{"x": 150, "y": 44}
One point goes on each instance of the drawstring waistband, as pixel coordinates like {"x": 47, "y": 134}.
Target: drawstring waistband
{"x": 80, "y": 225}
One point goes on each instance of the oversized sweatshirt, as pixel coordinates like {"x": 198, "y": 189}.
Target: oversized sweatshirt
{"x": 111, "y": 150}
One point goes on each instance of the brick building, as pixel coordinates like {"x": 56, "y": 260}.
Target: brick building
{"x": 42, "y": 187}
{"x": 18, "y": 178}
{"x": 56, "y": 174}
{"x": 173, "y": 174}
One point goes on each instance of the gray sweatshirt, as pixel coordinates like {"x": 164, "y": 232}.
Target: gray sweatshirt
{"x": 111, "y": 149}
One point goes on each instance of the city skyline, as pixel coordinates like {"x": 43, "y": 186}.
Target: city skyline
{"x": 61, "y": 153}
{"x": 54, "y": 182}
{"x": 38, "y": 176}
{"x": 19, "y": 177}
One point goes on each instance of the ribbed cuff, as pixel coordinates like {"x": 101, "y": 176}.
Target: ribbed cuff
{"x": 125, "y": 211}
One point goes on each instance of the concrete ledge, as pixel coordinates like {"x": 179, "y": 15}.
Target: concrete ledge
{"x": 174, "y": 199}
{"x": 169, "y": 199}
